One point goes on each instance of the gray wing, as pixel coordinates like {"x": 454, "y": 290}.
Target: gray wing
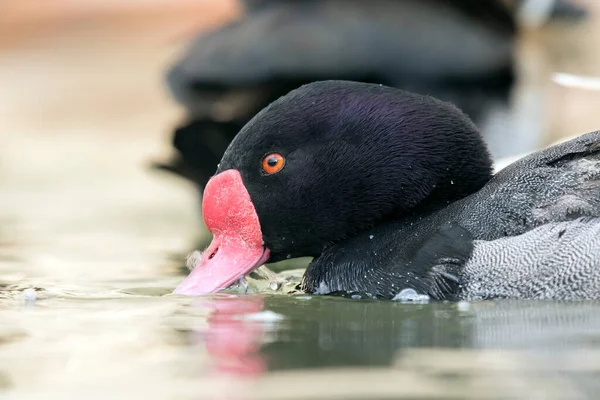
{"x": 536, "y": 226}
{"x": 559, "y": 261}
{"x": 561, "y": 183}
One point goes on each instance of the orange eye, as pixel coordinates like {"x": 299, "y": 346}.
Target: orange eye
{"x": 272, "y": 163}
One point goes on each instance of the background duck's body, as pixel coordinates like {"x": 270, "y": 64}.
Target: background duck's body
{"x": 459, "y": 51}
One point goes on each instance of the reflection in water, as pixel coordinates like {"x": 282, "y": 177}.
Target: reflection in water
{"x": 539, "y": 341}
{"x": 325, "y": 331}
{"x": 331, "y": 332}
{"x": 231, "y": 339}
{"x": 544, "y": 327}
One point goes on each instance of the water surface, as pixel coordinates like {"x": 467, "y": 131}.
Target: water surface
{"x": 143, "y": 342}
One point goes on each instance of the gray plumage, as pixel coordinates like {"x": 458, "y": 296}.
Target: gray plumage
{"x": 532, "y": 240}
{"x": 554, "y": 261}
{"x": 558, "y": 184}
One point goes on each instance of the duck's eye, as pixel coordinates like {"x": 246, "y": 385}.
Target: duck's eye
{"x": 273, "y": 163}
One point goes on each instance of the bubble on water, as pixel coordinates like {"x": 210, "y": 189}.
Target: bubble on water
{"x": 193, "y": 260}
{"x": 263, "y": 316}
{"x": 463, "y": 306}
{"x": 274, "y": 285}
{"x": 30, "y": 295}
{"x": 411, "y": 296}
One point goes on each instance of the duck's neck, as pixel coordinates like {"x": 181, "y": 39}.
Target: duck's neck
{"x": 442, "y": 195}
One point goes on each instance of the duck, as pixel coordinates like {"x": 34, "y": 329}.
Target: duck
{"x": 460, "y": 51}
{"x": 388, "y": 191}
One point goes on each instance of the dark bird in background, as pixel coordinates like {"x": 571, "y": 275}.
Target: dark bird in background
{"x": 460, "y": 51}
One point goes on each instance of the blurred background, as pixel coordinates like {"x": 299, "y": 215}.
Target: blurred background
{"x": 113, "y": 114}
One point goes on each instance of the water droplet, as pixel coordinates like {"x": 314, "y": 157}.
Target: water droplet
{"x": 243, "y": 285}
{"x": 371, "y": 236}
{"x": 323, "y": 288}
{"x": 356, "y": 296}
{"x": 193, "y": 260}
{"x": 452, "y": 182}
{"x": 411, "y": 296}
{"x": 263, "y": 316}
{"x": 274, "y": 285}
{"x": 463, "y": 306}
{"x": 29, "y": 295}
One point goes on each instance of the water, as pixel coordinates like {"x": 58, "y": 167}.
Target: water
{"x": 133, "y": 343}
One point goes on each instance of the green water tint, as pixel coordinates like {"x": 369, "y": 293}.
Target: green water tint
{"x": 447, "y": 343}
{"x": 142, "y": 340}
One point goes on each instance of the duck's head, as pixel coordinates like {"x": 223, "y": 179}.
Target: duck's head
{"x": 325, "y": 162}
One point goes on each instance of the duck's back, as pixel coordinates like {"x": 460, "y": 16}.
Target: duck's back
{"x": 536, "y": 227}
{"x": 561, "y": 183}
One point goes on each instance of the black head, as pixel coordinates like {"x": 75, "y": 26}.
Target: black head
{"x": 355, "y": 154}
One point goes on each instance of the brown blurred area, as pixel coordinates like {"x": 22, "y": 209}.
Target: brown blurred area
{"x": 112, "y": 52}
{"x": 83, "y": 110}
{"x": 26, "y": 22}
